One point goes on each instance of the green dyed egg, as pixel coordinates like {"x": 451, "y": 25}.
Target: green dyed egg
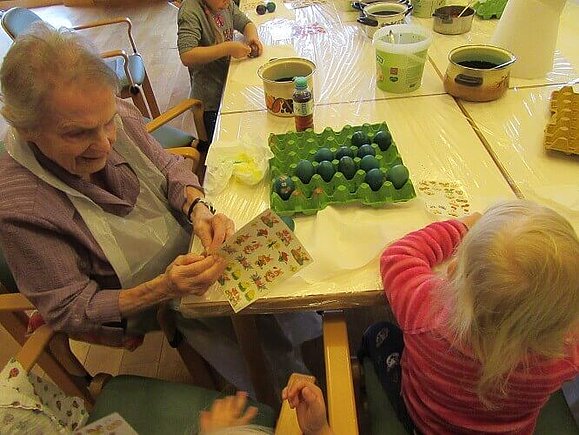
{"x": 397, "y": 175}
{"x": 270, "y": 6}
{"x": 383, "y": 139}
{"x": 326, "y": 170}
{"x": 283, "y": 186}
{"x": 289, "y": 222}
{"x": 324, "y": 154}
{"x": 344, "y": 151}
{"x": 360, "y": 138}
{"x": 366, "y": 150}
{"x": 347, "y": 166}
{"x": 375, "y": 179}
{"x": 369, "y": 162}
{"x": 305, "y": 171}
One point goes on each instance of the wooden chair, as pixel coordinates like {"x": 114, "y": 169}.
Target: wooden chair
{"x": 150, "y": 406}
{"x": 158, "y": 406}
{"x": 129, "y": 67}
{"x": 175, "y": 140}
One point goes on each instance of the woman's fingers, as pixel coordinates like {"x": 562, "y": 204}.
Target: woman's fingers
{"x": 194, "y": 274}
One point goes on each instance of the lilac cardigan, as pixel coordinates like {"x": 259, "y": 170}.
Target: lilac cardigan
{"x": 53, "y": 256}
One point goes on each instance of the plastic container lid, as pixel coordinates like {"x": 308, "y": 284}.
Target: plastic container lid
{"x": 406, "y": 38}
{"x": 301, "y": 82}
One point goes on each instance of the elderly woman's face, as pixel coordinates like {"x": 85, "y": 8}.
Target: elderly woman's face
{"x": 80, "y": 129}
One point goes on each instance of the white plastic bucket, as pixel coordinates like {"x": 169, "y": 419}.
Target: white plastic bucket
{"x": 400, "y": 57}
{"x": 425, "y": 8}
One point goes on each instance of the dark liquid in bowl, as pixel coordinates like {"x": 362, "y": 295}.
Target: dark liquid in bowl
{"x": 383, "y": 13}
{"x": 285, "y": 79}
{"x": 479, "y": 64}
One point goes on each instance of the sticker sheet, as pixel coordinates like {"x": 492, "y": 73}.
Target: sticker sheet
{"x": 444, "y": 198}
{"x": 112, "y": 424}
{"x": 259, "y": 256}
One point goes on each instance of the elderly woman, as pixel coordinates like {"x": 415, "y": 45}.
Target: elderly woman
{"x": 95, "y": 217}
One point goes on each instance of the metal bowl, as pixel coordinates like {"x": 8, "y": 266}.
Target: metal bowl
{"x": 448, "y": 22}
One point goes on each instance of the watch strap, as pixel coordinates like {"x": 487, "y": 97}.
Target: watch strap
{"x": 200, "y": 200}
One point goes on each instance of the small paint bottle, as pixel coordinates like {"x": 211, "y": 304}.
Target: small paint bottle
{"x": 303, "y": 104}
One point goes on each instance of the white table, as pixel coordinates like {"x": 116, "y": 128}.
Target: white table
{"x": 345, "y": 61}
{"x": 513, "y": 129}
{"x": 433, "y": 133}
{"x": 435, "y": 141}
{"x": 565, "y": 60}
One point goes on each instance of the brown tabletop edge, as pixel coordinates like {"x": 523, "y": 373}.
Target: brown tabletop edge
{"x": 288, "y": 304}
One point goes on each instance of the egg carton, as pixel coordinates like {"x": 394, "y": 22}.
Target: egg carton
{"x": 309, "y": 198}
{"x": 487, "y": 9}
{"x": 562, "y": 131}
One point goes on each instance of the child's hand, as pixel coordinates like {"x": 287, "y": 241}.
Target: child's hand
{"x": 256, "y": 46}
{"x": 471, "y": 219}
{"x": 308, "y": 401}
{"x": 226, "y": 413}
{"x": 238, "y": 49}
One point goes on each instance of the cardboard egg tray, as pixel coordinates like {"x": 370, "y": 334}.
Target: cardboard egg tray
{"x": 291, "y": 147}
{"x": 562, "y": 131}
{"x": 487, "y": 9}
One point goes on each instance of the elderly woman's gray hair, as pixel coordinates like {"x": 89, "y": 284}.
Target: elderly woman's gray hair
{"x": 37, "y": 62}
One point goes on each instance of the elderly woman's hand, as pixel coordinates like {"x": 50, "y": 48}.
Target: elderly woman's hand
{"x": 211, "y": 229}
{"x": 192, "y": 273}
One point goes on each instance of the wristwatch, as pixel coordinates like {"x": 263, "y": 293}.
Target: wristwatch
{"x": 200, "y": 200}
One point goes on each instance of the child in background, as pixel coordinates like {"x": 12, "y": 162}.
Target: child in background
{"x": 227, "y": 415}
{"x": 485, "y": 347}
{"x": 205, "y": 43}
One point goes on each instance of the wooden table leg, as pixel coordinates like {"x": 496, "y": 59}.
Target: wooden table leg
{"x": 340, "y": 385}
{"x": 260, "y": 375}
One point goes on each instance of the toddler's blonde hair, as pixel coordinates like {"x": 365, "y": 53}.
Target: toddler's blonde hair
{"x": 515, "y": 290}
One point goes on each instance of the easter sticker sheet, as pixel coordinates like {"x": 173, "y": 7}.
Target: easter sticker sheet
{"x": 259, "y": 256}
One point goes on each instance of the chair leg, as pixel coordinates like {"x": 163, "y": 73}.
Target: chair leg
{"x": 150, "y": 97}
{"x": 139, "y": 101}
{"x": 196, "y": 366}
{"x": 260, "y": 375}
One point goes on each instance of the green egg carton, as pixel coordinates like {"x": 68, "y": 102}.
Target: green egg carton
{"x": 487, "y": 9}
{"x": 309, "y": 198}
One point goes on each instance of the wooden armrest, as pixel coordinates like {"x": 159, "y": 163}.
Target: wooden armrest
{"x": 189, "y": 153}
{"x": 340, "y": 385}
{"x": 287, "y": 422}
{"x": 34, "y": 347}
{"x": 190, "y": 103}
{"x": 109, "y": 21}
{"x": 15, "y": 302}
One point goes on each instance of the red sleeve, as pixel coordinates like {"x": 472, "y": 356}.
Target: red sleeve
{"x": 406, "y": 270}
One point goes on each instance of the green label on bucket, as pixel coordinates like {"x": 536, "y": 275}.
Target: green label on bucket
{"x": 399, "y": 72}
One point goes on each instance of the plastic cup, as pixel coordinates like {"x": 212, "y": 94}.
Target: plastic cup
{"x": 425, "y": 8}
{"x": 400, "y": 56}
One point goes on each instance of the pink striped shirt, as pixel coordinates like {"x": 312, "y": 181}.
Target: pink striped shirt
{"x": 438, "y": 380}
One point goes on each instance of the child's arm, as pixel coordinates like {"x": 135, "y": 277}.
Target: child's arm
{"x": 308, "y": 401}
{"x": 202, "y": 55}
{"x": 406, "y": 269}
{"x": 252, "y": 39}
